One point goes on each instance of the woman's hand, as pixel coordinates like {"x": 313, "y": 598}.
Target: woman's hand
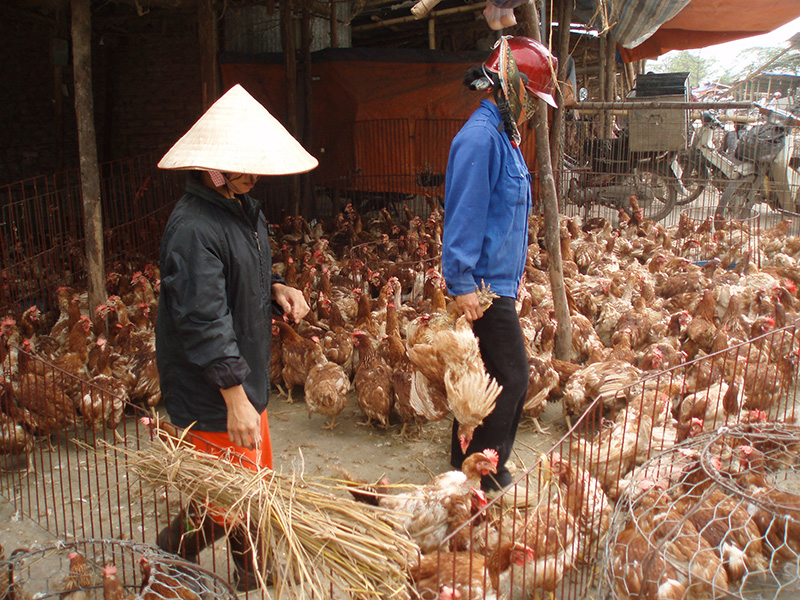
{"x": 291, "y": 300}
{"x": 469, "y": 306}
{"x": 244, "y": 423}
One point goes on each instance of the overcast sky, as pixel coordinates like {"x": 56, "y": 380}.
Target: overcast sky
{"x": 778, "y": 37}
{"x": 725, "y": 54}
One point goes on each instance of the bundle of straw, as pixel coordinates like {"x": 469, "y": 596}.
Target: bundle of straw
{"x": 322, "y": 540}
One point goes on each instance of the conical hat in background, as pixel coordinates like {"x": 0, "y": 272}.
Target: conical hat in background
{"x": 238, "y": 135}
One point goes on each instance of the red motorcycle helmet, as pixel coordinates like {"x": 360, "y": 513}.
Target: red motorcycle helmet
{"x": 534, "y": 61}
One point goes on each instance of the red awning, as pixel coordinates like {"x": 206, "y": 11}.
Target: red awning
{"x": 705, "y": 23}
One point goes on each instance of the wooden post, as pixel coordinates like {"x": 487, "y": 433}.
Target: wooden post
{"x": 334, "y": 23}
{"x": 208, "y": 39}
{"x": 602, "y": 77}
{"x": 431, "y": 33}
{"x": 87, "y": 147}
{"x": 289, "y": 54}
{"x": 557, "y": 134}
{"x": 611, "y": 71}
{"x": 305, "y": 42}
{"x": 552, "y": 228}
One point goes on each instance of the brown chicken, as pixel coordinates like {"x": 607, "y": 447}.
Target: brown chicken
{"x": 722, "y": 520}
{"x": 299, "y": 355}
{"x": 469, "y": 575}
{"x": 159, "y": 584}
{"x": 326, "y": 389}
{"x": 337, "y": 344}
{"x": 74, "y": 360}
{"x": 15, "y": 440}
{"x": 81, "y": 579}
{"x": 779, "y": 526}
{"x": 700, "y": 568}
{"x": 112, "y": 586}
{"x": 550, "y": 532}
{"x": 373, "y": 381}
{"x": 702, "y": 328}
{"x": 602, "y": 381}
{"x": 584, "y": 498}
{"x": 452, "y": 359}
{"x": 638, "y": 572}
{"x": 428, "y": 514}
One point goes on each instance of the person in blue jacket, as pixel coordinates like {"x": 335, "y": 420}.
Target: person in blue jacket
{"x": 486, "y": 207}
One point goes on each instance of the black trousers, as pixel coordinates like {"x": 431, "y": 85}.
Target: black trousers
{"x": 503, "y": 351}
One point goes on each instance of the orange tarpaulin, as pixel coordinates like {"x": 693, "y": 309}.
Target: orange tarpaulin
{"x": 705, "y": 23}
{"x": 381, "y": 118}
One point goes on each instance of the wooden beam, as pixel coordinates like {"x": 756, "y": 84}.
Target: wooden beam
{"x": 208, "y": 41}
{"x": 87, "y": 148}
{"x": 334, "y": 25}
{"x": 290, "y": 56}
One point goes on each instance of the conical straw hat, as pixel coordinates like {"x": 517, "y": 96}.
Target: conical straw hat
{"x": 238, "y": 135}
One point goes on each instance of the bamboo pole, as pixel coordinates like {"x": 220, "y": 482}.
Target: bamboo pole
{"x": 432, "y": 34}
{"x": 400, "y": 20}
{"x": 552, "y": 228}
{"x": 87, "y": 146}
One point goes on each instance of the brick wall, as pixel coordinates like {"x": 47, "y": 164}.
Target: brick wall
{"x": 146, "y": 83}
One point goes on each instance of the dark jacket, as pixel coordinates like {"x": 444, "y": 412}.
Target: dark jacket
{"x": 214, "y": 312}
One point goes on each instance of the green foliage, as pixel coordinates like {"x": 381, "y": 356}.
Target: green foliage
{"x": 684, "y": 61}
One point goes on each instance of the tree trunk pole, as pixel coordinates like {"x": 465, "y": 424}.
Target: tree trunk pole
{"x": 87, "y": 147}
{"x": 552, "y": 228}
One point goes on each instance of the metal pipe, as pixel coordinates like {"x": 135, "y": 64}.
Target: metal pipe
{"x": 648, "y": 105}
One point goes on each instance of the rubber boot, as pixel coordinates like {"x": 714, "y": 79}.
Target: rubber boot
{"x": 242, "y": 557}
{"x": 188, "y": 533}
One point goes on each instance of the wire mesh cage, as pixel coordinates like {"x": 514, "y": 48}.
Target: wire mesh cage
{"x": 716, "y": 516}
{"x": 106, "y": 568}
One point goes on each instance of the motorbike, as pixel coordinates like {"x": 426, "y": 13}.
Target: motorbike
{"x": 609, "y": 174}
{"x": 707, "y": 159}
{"x": 765, "y": 167}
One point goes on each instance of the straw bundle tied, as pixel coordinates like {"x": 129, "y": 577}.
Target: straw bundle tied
{"x": 319, "y": 540}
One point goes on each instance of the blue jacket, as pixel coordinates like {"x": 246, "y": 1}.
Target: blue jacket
{"x": 486, "y": 206}
{"x": 214, "y": 321}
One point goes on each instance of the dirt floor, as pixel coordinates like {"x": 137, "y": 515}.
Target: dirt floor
{"x": 299, "y": 443}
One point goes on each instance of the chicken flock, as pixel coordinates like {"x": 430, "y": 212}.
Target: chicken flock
{"x": 712, "y": 518}
{"x": 380, "y": 324}
{"x": 85, "y": 580}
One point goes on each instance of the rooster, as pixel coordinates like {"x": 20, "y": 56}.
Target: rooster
{"x": 430, "y": 513}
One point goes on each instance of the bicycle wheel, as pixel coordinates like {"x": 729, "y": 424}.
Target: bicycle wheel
{"x": 656, "y": 193}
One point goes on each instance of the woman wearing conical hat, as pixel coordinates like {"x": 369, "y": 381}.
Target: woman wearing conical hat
{"x": 214, "y": 315}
